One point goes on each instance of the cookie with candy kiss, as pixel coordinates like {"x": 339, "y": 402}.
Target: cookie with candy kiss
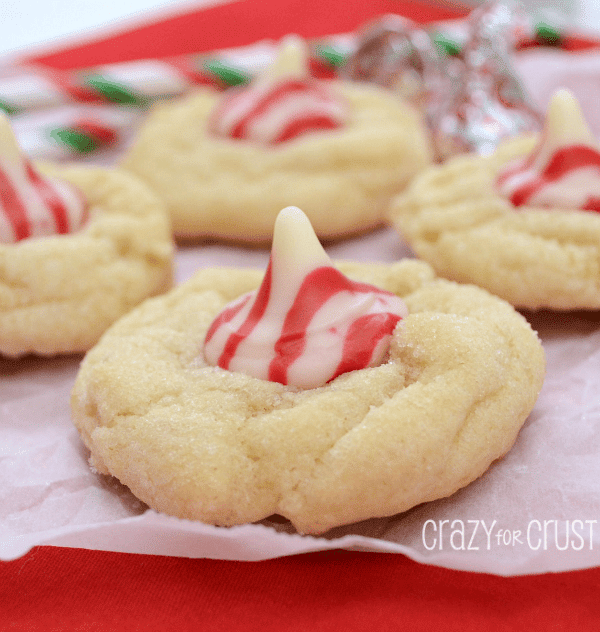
{"x": 415, "y": 420}
{"x": 79, "y": 247}
{"x": 522, "y": 222}
{"x": 226, "y": 162}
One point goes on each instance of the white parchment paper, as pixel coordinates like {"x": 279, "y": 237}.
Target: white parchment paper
{"x": 537, "y": 510}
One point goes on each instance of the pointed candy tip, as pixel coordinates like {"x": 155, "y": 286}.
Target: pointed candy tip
{"x": 563, "y": 102}
{"x": 291, "y": 213}
{"x": 292, "y": 40}
{"x": 291, "y": 225}
{"x": 563, "y": 93}
{"x": 564, "y": 118}
{"x": 9, "y": 147}
{"x": 294, "y": 236}
{"x": 291, "y": 58}
{"x": 5, "y": 126}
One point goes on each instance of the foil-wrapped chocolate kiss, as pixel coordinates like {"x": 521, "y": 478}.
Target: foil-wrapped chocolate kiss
{"x": 471, "y": 100}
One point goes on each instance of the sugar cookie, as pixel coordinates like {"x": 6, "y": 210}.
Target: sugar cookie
{"x": 227, "y": 163}
{"x": 461, "y": 373}
{"x": 81, "y": 247}
{"x": 522, "y": 223}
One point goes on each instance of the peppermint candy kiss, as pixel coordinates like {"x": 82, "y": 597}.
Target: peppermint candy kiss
{"x": 31, "y": 204}
{"x": 307, "y": 323}
{"x": 282, "y": 104}
{"x": 563, "y": 171}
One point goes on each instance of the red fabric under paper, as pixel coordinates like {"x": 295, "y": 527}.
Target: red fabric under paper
{"x": 74, "y": 590}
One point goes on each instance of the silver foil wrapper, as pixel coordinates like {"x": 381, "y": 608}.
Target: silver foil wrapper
{"x": 396, "y": 53}
{"x": 472, "y": 100}
{"x": 486, "y": 102}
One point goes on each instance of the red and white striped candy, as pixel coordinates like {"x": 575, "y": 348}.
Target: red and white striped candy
{"x": 276, "y": 112}
{"x": 307, "y": 323}
{"x": 31, "y": 204}
{"x": 281, "y": 104}
{"x": 563, "y": 171}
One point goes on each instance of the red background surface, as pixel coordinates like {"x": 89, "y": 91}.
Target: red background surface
{"x": 240, "y": 23}
{"x": 72, "y": 589}
{"x": 56, "y": 589}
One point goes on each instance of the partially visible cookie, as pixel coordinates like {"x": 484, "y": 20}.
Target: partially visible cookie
{"x": 59, "y": 293}
{"x": 226, "y": 169}
{"x": 219, "y": 446}
{"x": 522, "y": 223}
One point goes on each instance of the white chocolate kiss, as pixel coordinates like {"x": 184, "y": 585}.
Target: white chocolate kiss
{"x": 31, "y": 204}
{"x": 307, "y": 323}
{"x": 563, "y": 171}
{"x": 281, "y": 103}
